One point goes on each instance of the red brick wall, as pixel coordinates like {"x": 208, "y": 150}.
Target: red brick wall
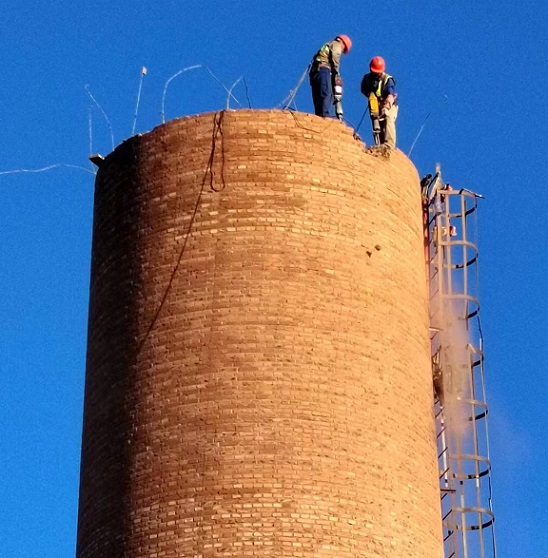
{"x": 258, "y": 378}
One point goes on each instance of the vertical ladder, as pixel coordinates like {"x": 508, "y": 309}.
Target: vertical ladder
{"x": 450, "y": 226}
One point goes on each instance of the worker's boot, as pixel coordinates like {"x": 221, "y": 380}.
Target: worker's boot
{"x": 375, "y": 150}
{"x": 386, "y": 150}
{"x": 382, "y": 150}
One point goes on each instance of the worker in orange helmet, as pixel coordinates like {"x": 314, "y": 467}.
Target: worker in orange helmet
{"x": 380, "y": 91}
{"x": 325, "y": 76}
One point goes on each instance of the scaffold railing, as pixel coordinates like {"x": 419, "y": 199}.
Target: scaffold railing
{"x": 450, "y": 223}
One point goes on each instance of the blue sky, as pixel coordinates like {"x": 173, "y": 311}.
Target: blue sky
{"x": 489, "y": 59}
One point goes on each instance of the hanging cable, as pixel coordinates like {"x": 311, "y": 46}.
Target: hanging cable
{"x": 247, "y": 94}
{"x": 360, "y": 122}
{"x": 217, "y": 131}
{"x": 217, "y": 128}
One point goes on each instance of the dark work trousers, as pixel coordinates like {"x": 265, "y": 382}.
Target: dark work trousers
{"x": 322, "y": 91}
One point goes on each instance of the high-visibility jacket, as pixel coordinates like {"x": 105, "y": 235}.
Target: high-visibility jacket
{"x": 329, "y": 56}
{"x": 382, "y": 87}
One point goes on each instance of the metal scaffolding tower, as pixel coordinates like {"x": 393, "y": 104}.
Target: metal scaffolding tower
{"x": 450, "y": 228}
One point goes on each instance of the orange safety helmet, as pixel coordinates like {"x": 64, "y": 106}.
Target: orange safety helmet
{"x": 346, "y": 41}
{"x": 377, "y": 65}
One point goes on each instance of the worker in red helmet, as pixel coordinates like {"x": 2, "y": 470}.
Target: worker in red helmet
{"x": 325, "y": 76}
{"x": 380, "y": 91}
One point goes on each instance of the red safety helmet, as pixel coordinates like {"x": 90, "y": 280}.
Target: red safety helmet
{"x": 377, "y": 65}
{"x": 346, "y": 41}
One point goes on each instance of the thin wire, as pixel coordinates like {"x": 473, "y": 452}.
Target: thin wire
{"x": 143, "y": 74}
{"x": 445, "y": 98}
{"x": 230, "y": 92}
{"x": 328, "y": 122}
{"x": 90, "y": 132}
{"x": 247, "y": 94}
{"x": 195, "y": 67}
{"x": 188, "y": 68}
{"x": 103, "y": 113}
{"x": 221, "y": 83}
{"x": 56, "y": 166}
{"x": 292, "y": 92}
{"x": 361, "y": 121}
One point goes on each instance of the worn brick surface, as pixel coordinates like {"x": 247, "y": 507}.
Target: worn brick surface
{"x": 258, "y": 379}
